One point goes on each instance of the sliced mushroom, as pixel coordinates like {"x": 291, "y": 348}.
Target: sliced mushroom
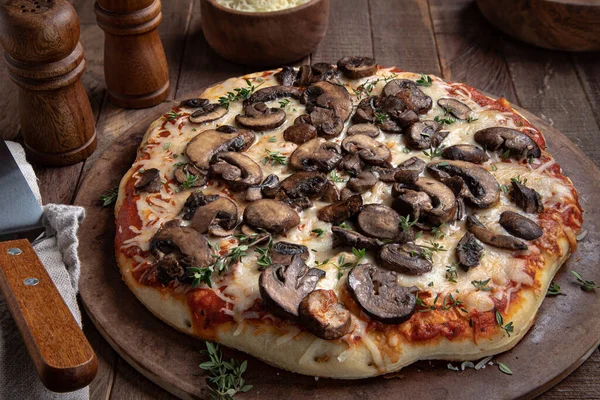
{"x": 370, "y": 150}
{"x": 458, "y": 109}
{"x": 467, "y": 180}
{"x": 365, "y": 112}
{"x": 282, "y": 288}
{"x": 322, "y": 314}
{"x": 271, "y": 215}
{"x": 404, "y": 258}
{"x": 208, "y": 113}
{"x": 346, "y": 193}
{"x": 488, "y": 237}
{"x": 465, "y": 152}
{"x": 227, "y": 164}
{"x": 227, "y": 129}
{"x": 351, "y": 238}
{"x": 526, "y": 198}
{"x": 304, "y": 76}
{"x": 327, "y": 95}
{"x": 362, "y": 182}
{"x": 509, "y": 141}
{"x": 194, "y": 103}
{"x": 363, "y": 129}
{"x": 382, "y": 222}
{"x": 379, "y": 295}
{"x": 468, "y": 251}
{"x": 410, "y": 94}
{"x": 221, "y": 211}
{"x": 439, "y": 208}
{"x": 300, "y": 133}
{"x": 272, "y": 93}
{"x": 302, "y": 119}
{"x": 357, "y": 67}
{"x": 191, "y": 175}
{"x": 385, "y": 174}
{"x": 270, "y": 186}
{"x": 149, "y": 182}
{"x": 303, "y": 184}
{"x": 520, "y": 226}
{"x": 409, "y": 170}
{"x": 331, "y": 194}
{"x": 337, "y": 213}
{"x": 201, "y": 149}
{"x": 253, "y": 193}
{"x": 286, "y": 76}
{"x": 316, "y": 155}
{"x": 259, "y": 117}
{"x": 327, "y": 123}
{"x": 351, "y": 163}
{"x": 299, "y": 204}
{"x": 418, "y": 135}
{"x": 194, "y": 201}
{"x": 324, "y": 72}
{"x": 283, "y": 252}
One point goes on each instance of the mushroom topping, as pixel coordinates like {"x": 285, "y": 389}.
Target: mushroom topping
{"x": 271, "y": 215}
{"x": 195, "y": 200}
{"x": 418, "y": 135}
{"x": 409, "y": 170}
{"x": 191, "y": 175}
{"x": 282, "y": 287}
{"x": 283, "y": 252}
{"x": 362, "y": 182}
{"x": 456, "y": 108}
{"x": 316, "y": 155}
{"x": 467, "y": 180}
{"x": 357, "y": 67}
{"x": 220, "y": 211}
{"x": 299, "y": 204}
{"x": 337, "y": 213}
{"x": 300, "y": 133}
{"x": 253, "y": 193}
{"x": 259, "y": 117}
{"x": 468, "y": 251}
{"x": 326, "y": 122}
{"x": 396, "y": 110}
{"x": 150, "y": 181}
{"x": 526, "y": 198}
{"x": 437, "y": 208}
{"x": 270, "y": 186}
{"x": 272, "y": 93}
{"x": 385, "y": 174}
{"x": 194, "y": 103}
{"x": 303, "y": 184}
{"x": 304, "y": 76}
{"x": 351, "y": 163}
{"x": 520, "y": 226}
{"x": 286, "y": 76}
{"x": 237, "y": 170}
{"x": 382, "y": 222}
{"x": 201, "y": 149}
{"x": 351, "y": 238}
{"x": 332, "y": 193}
{"x": 365, "y": 113}
{"x": 327, "y": 95}
{"x": 302, "y": 119}
{"x": 363, "y": 129}
{"x": 227, "y": 129}
{"x": 379, "y": 295}
{"x": 404, "y": 258}
{"x": 369, "y": 150}
{"x": 322, "y": 314}
{"x": 465, "y": 152}
{"x": 408, "y": 91}
{"x": 488, "y": 237}
{"x": 510, "y": 142}
{"x": 324, "y": 72}
{"x": 208, "y": 113}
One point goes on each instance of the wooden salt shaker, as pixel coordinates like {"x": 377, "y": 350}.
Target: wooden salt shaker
{"x": 135, "y": 65}
{"x": 45, "y": 60}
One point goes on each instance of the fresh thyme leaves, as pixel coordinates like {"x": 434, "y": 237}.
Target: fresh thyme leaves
{"x": 381, "y": 117}
{"x": 264, "y": 255}
{"x": 366, "y": 88}
{"x": 504, "y": 368}
{"x": 405, "y": 150}
{"x": 430, "y": 284}
{"x": 508, "y": 328}
{"x": 284, "y": 103}
{"x": 221, "y": 263}
{"x": 452, "y": 272}
{"x": 494, "y": 167}
{"x": 318, "y": 231}
{"x": 482, "y": 285}
{"x": 505, "y": 154}
{"x": 406, "y": 224}
{"x": 438, "y": 232}
{"x": 471, "y": 118}
{"x": 424, "y": 80}
{"x": 444, "y": 120}
{"x": 517, "y": 179}
{"x": 189, "y": 181}
{"x": 586, "y": 286}
{"x": 434, "y": 152}
{"x": 225, "y": 376}
{"x": 109, "y": 197}
{"x": 173, "y": 116}
{"x": 504, "y": 188}
{"x": 272, "y": 139}
{"x": 335, "y": 177}
{"x": 167, "y": 145}
{"x": 428, "y": 250}
{"x": 239, "y": 93}
{"x": 342, "y": 264}
{"x": 345, "y": 226}
{"x": 201, "y": 275}
{"x": 273, "y": 157}
{"x": 554, "y": 290}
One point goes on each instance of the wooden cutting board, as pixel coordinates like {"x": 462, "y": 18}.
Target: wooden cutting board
{"x": 567, "y": 330}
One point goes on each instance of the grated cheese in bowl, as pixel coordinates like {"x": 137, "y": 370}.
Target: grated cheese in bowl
{"x": 260, "y": 5}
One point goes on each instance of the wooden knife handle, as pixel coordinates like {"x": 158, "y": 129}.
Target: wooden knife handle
{"x": 63, "y": 357}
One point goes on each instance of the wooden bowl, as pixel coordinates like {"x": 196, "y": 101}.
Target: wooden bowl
{"x": 264, "y": 38}
{"x": 572, "y": 25}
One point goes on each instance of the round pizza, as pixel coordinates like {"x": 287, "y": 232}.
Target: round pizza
{"x": 345, "y": 220}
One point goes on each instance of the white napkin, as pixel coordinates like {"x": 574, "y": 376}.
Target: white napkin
{"x": 58, "y": 253}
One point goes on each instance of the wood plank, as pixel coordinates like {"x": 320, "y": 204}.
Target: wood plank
{"x": 107, "y": 359}
{"x": 588, "y": 71}
{"x": 130, "y": 384}
{"x": 403, "y": 36}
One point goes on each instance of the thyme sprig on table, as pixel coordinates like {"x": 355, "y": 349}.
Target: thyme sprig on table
{"x": 586, "y": 286}
{"x": 225, "y": 376}
{"x": 109, "y": 197}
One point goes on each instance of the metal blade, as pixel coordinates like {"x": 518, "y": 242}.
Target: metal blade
{"x": 20, "y": 213}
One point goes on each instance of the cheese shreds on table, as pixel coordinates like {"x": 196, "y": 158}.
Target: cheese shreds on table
{"x": 260, "y": 5}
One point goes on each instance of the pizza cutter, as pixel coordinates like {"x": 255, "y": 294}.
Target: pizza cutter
{"x": 62, "y": 356}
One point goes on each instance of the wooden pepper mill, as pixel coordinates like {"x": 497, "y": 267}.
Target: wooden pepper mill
{"x": 45, "y": 60}
{"x": 135, "y": 65}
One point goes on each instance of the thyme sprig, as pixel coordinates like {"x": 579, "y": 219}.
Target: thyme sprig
{"x": 335, "y": 177}
{"x": 109, "y": 197}
{"x": 225, "y": 376}
{"x": 586, "y": 286}
{"x": 508, "y": 328}
{"x": 365, "y": 89}
{"x": 434, "y": 152}
{"x": 554, "y": 290}
{"x": 273, "y": 157}
{"x": 342, "y": 264}
{"x": 424, "y": 80}
{"x": 239, "y": 93}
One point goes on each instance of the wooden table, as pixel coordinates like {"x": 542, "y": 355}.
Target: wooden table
{"x": 446, "y": 38}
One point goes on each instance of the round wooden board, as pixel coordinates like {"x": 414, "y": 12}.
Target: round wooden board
{"x": 565, "y": 334}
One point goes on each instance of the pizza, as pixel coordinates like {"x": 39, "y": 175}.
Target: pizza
{"x": 345, "y": 220}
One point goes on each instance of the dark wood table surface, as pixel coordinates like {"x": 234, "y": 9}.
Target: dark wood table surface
{"x": 447, "y": 38}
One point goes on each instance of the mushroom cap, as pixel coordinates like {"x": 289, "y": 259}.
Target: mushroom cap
{"x": 250, "y": 173}
{"x": 520, "y": 226}
{"x": 327, "y": 95}
{"x": 271, "y": 215}
{"x": 465, "y": 152}
{"x": 457, "y": 108}
{"x": 322, "y": 314}
{"x": 194, "y": 103}
{"x": 324, "y": 72}
{"x": 370, "y": 150}
{"x": 259, "y": 117}
{"x": 518, "y": 144}
{"x": 351, "y": 238}
{"x": 271, "y": 93}
{"x": 468, "y": 251}
{"x": 526, "y": 199}
{"x": 220, "y": 211}
{"x": 327, "y": 123}
{"x": 418, "y": 136}
{"x": 337, "y": 213}
{"x": 201, "y": 149}
{"x": 183, "y": 172}
{"x": 150, "y": 181}
{"x": 408, "y": 171}
{"x": 442, "y": 201}
{"x": 488, "y": 237}
{"x": 404, "y": 258}
{"x": 208, "y": 113}
{"x": 300, "y": 133}
{"x": 362, "y": 182}
{"x": 471, "y": 181}
{"x": 189, "y": 242}
{"x": 331, "y": 194}
{"x": 363, "y": 129}
{"x": 408, "y": 91}
{"x": 309, "y": 184}
{"x": 286, "y": 76}
{"x": 379, "y": 221}
{"x": 283, "y": 252}
{"x": 379, "y": 295}
{"x": 316, "y": 155}
{"x": 357, "y": 67}
{"x": 270, "y": 185}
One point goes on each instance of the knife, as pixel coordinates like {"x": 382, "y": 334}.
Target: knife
{"x": 63, "y": 358}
